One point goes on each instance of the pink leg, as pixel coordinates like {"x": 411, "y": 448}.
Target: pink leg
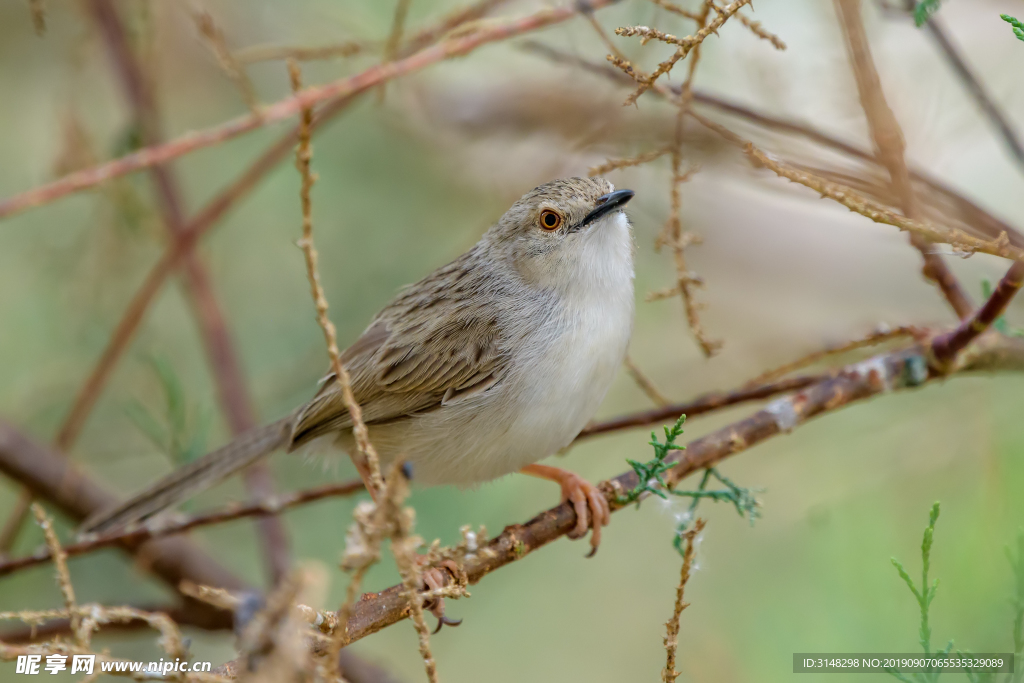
{"x": 592, "y": 511}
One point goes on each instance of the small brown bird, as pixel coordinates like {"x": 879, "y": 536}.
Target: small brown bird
{"x": 482, "y": 368}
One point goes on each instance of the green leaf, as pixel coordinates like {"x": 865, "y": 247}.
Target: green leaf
{"x": 1017, "y": 24}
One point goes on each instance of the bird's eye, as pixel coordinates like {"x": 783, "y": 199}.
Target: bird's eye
{"x": 550, "y": 220}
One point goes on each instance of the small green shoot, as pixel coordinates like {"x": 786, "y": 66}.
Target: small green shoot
{"x": 926, "y": 593}
{"x": 924, "y": 10}
{"x": 650, "y": 476}
{"x": 1017, "y": 24}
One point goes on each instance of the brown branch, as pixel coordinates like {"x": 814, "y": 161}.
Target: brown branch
{"x": 52, "y": 477}
{"x": 890, "y": 148}
{"x": 158, "y": 528}
{"x": 946, "y": 347}
{"x": 875, "y": 376}
{"x": 698, "y": 406}
{"x": 162, "y": 153}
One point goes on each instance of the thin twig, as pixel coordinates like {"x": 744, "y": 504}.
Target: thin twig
{"x": 685, "y": 44}
{"x": 367, "y": 462}
{"x": 269, "y": 53}
{"x": 759, "y": 31}
{"x": 161, "y": 528}
{"x": 878, "y": 337}
{"x": 60, "y": 563}
{"x": 162, "y": 153}
{"x": 644, "y": 382}
{"x": 228, "y": 64}
{"x": 617, "y": 164}
{"x": 669, "y": 673}
{"x": 676, "y": 9}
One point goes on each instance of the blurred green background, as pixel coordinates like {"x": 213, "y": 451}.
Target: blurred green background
{"x": 408, "y": 183}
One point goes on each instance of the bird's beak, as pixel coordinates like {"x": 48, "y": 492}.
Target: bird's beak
{"x": 605, "y": 204}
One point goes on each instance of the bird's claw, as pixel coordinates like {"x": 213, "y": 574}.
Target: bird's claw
{"x": 591, "y": 506}
{"x": 435, "y": 578}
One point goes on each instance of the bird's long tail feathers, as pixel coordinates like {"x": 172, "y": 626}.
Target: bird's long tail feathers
{"x": 194, "y": 477}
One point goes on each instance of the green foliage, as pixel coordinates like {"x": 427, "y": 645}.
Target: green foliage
{"x": 651, "y": 480}
{"x": 926, "y": 593}
{"x": 182, "y": 439}
{"x": 924, "y": 10}
{"x": 1017, "y": 24}
{"x": 649, "y": 474}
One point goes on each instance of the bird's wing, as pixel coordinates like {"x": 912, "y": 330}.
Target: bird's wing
{"x": 411, "y": 360}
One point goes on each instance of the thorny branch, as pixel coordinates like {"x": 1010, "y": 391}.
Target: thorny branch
{"x": 669, "y": 673}
{"x": 366, "y": 461}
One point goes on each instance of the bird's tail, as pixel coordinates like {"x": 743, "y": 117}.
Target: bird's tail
{"x": 194, "y": 477}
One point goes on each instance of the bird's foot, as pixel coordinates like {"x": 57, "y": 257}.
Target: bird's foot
{"x": 434, "y": 579}
{"x": 591, "y": 506}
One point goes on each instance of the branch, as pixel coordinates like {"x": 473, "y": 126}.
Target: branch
{"x": 946, "y": 347}
{"x": 698, "y": 406}
{"x": 50, "y": 476}
{"x": 158, "y": 528}
{"x": 880, "y": 374}
{"x": 890, "y": 148}
{"x": 162, "y": 153}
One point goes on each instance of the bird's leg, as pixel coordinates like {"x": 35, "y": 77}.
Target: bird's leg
{"x": 435, "y": 578}
{"x": 592, "y": 510}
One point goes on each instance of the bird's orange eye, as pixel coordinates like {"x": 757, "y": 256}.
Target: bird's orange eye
{"x": 550, "y": 220}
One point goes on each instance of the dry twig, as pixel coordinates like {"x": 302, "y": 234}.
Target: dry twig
{"x": 645, "y": 383}
{"x": 879, "y": 336}
{"x": 231, "y": 67}
{"x": 669, "y": 673}
{"x": 367, "y": 462}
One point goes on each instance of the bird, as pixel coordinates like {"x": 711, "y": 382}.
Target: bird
{"x": 481, "y": 369}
